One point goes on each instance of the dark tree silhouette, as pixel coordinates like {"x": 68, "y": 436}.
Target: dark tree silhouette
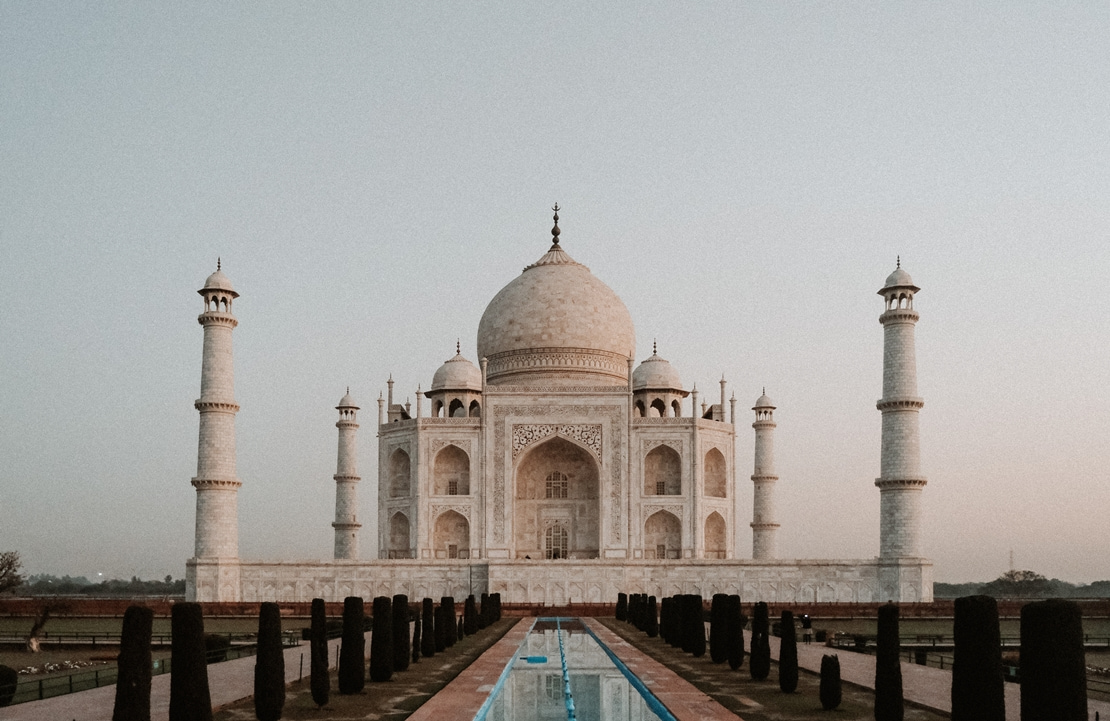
{"x": 401, "y": 649}
{"x": 977, "y": 692}
{"x": 830, "y": 690}
{"x": 428, "y": 644}
{"x": 788, "y": 654}
{"x": 269, "y": 665}
{"x": 1053, "y": 668}
{"x": 352, "y": 654}
{"x": 318, "y": 645}
{"x": 189, "y": 696}
{"x": 381, "y": 641}
{"x": 760, "y": 666}
{"x": 133, "y": 681}
{"x": 889, "y": 704}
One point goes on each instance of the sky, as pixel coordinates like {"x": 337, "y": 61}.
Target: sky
{"x": 743, "y": 175}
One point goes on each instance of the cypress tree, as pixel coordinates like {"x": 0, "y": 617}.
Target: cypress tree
{"x": 830, "y": 691}
{"x": 496, "y": 598}
{"x": 1053, "y": 669}
{"x": 470, "y": 616}
{"x": 718, "y": 648}
{"x": 189, "y": 696}
{"x": 461, "y": 630}
{"x": 664, "y": 608}
{"x": 652, "y": 618}
{"x": 674, "y": 623}
{"x": 318, "y": 643}
{"x": 401, "y": 648}
{"x": 888, "y": 667}
{"x": 760, "y": 665}
{"x": 416, "y": 637}
{"x": 381, "y": 641}
{"x": 485, "y": 614}
{"x": 9, "y": 679}
{"x": 352, "y": 654}
{"x": 440, "y": 629}
{"x": 977, "y": 692}
{"x": 133, "y": 681}
{"x": 788, "y": 655}
{"x": 269, "y": 665}
{"x": 685, "y": 622}
{"x": 734, "y": 630}
{"x": 450, "y": 633}
{"x": 428, "y": 642}
{"x": 697, "y": 608}
{"x": 622, "y": 606}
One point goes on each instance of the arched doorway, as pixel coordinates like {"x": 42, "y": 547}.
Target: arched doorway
{"x": 451, "y": 538}
{"x": 399, "y": 544}
{"x": 716, "y": 475}
{"x": 452, "y": 472}
{"x": 662, "y": 472}
{"x": 400, "y": 470}
{"x": 556, "y": 484}
{"x": 662, "y": 536}
{"x": 715, "y": 536}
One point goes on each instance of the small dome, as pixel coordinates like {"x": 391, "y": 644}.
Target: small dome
{"x": 346, "y": 402}
{"x": 764, "y": 402}
{"x": 656, "y": 374}
{"x": 898, "y": 278}
{"x": 457, "y": 374}
{"x": 219, "y": 281}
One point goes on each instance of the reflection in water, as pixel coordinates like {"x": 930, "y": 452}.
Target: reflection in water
{"x": 534, "y": 688}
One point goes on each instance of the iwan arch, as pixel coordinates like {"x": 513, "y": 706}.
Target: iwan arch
{"x": 558, "y": 470}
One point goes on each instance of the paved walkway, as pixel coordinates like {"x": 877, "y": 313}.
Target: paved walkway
{"x": 463, "y": 697}
{"x": 922, "y": 686}
{"x": 228, "y": 682}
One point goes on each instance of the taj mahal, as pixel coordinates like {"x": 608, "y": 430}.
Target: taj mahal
{"x": 559, "y": 470}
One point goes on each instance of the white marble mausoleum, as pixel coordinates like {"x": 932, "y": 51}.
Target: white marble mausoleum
{"x": 558, "y": 470}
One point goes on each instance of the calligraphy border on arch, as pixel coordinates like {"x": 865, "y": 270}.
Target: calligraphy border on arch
{"x": 527, "y": 434}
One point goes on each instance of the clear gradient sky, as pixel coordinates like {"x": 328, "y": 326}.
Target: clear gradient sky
{"x": 743, "y": 175}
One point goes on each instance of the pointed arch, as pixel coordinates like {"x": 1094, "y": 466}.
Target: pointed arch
{"x": 715, "y": 536}
{"x": 662, "y": 536}
{"x": 557, "y": 480}
{"x": 662, "y": 472}
{"x": 456, "y": 409}
{"x": 400, "y": 474}
{"x": 716, "y": 474}
{"x": 452, "y": 472}
{"x": 451, "y": 537}
{"x": 399, "y": 536}
{"x": 475, "y": 409}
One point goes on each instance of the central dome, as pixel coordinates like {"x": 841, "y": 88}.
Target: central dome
{"x": 556, "y": 324}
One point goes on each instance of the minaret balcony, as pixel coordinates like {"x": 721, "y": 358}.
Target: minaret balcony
{"x": 907, "y": 403}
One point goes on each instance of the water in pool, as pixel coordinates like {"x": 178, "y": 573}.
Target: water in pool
{"x": 536, "y": 686}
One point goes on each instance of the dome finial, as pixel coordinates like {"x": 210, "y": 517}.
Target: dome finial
{"x": 555, "y": 229}
{"x": 458, "y": 347}
{"x": 899, "y": 261}
{"x": 654, "y": 347}
{"x": 217, "y": 262}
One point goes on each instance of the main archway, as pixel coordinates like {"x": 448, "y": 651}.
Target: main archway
{"x": 556, "y": 485}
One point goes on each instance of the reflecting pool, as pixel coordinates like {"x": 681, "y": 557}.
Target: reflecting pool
{"x": 563, "y": 671}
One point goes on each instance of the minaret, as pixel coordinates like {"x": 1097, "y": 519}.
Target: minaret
{"x": 217, "y": 529}
{"x": 763, "y": 506}
{"x": 346, "y": 482}
{"x": 900, "y": 480}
